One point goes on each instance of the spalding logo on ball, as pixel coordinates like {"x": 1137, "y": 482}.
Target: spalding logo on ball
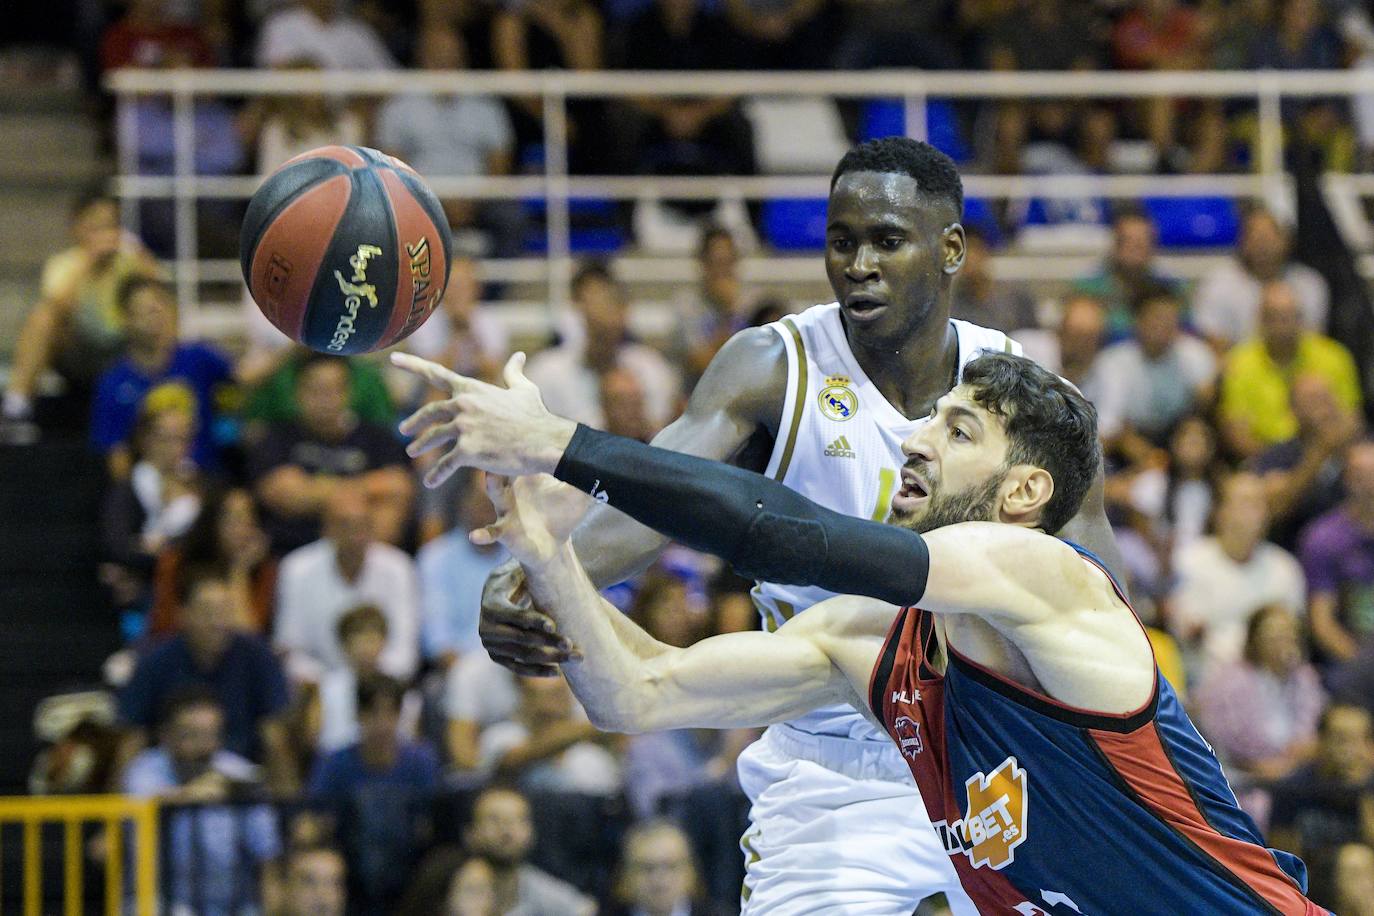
{"x": 345, "y": 249}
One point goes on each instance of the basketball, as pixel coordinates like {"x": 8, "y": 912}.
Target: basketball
{"x": 345, "y": 249}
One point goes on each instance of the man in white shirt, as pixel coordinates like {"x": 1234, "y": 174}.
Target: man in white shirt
{"x": 1224, "y": 578}
{"x": 320, "y": 582}
{"x": 570, "y": 373}
{"x": 320, "y": 32}
{"x": 1070, "y": 350}
{"x": 1226, "y": 305}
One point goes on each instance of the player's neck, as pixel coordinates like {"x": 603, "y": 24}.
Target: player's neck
{"x": 915, "y": 374}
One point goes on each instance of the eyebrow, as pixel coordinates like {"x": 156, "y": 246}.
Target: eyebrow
{"x": 959, "y": 411}
{"x": 887, "y": 226}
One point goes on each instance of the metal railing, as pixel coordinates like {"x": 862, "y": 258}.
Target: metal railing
{"x": 1265, "y": 89}
{"x": 73, "y": 812}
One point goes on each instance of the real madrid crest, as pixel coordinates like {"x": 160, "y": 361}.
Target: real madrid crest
{"x": 837, "y": 399}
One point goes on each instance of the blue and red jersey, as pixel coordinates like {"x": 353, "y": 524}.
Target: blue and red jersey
{"x": 1049, "y": 809}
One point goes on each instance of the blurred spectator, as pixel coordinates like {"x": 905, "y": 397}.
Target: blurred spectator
{"x": 979, "y": 298}
{"x": 684, "y": 135}
{"x": 239, "y": 669}
{"x": 143, "y": 37}
{"x": 1302, "y": 476}
{"x": 1298, "y": 38}
{"x": 152, "y": 358}
{"x": 1171, "y": 35}
{"x": 1329, "y": 801}
{"x": 1352, "y": 881}
{"x": 707, "y": 314}
{"x": 658, "y": 876}
{"x": 782, "y": 34}
{"x": 501, "y": 832}
{"x": 460, "y": 334}
{"x": 1223, "y": 579}
{"x": 479, "y": 693}
{"x": 1037, "y": 35}
{"x": 1338, "y": 556}
{"x": 226, "y": 533}
{"x": 379, "y": 790}
{"x": 1129, "y": 273}
{"x": 1260, "y": 713}
{"x": 1071, "y": 350}
{"x": 77, "y": 326}
{"x": 158, "y": 500}
{"x": 549, "y": 744}
{"x": 557, "y": 35}
{"x": 285, "y": 127}
{"x": 212, "y": 852}
{"x": 622, "y": 403}
{"x": 323, "y": 33}
{"x": 452, "y": 573}
{"x": 766, "y": 311}
{"x": 299, "y": 465}
{"x": 472, "y": 890}
{"x": 569, "y": 374}
{"x": 315, "y": 882}
{"x": 276, "y": 370}
{"x": 1146, "y": 385}
{"x": 348, "y": 567}
{"x": 1227, "y": 303}
{"x": 881, "y": 34}
{"x": 455, "y": 136}
{"x": 362, "y": 635}
{"x": 1256, "y": 398}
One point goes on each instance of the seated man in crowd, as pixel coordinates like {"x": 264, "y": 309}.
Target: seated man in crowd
{"x": 1071, "y": 349}
{"x": 1338, "y": 556}
{"x": 152, "y": 357}
{"x": 502, "y": 833}
{"x": 379, "y": 790}
{"x": 1130, "y": 270}
{"x": 298, "y": 465}
{"x": 1256, "y": 381}
{"x": 1227, "y": 303}
{"x": 658, "y": 876}
{"x": 314, "y": 884}
{"x": 320, "y": 582}
{"x": 213, "y": 853}
{"x": 1330, "y": 800}
{"x": 75, "y": 328}
{"x": 240, "y": 670}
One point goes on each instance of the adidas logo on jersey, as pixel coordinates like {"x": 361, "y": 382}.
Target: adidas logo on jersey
{"x": 839, "y": 449}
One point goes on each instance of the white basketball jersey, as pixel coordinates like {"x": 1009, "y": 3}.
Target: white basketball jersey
{"x": 839, "y": 444}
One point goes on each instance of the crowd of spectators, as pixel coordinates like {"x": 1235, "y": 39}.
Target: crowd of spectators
{"x": 303, "y": 668}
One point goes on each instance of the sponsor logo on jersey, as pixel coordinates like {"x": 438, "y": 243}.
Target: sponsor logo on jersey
{"x": 355, "y": 290}
{"x": 838, "y": 401}
{"x": 839, "y": 449}
{"x": 908, "y": 734}
{"x": 995, "y": 822}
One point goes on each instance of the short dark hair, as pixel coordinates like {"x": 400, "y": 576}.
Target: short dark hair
{"x": 363, "y": 617}
{"x": 97, "y": 192}
{"x": 594, "y": 269}
{"x": 379, "y": 687}
{"x": 935, "y": 173}
{"x": 1130, "y": 211}
{"x": 192, "y": 575}
{"x": 710, "y": 233}
{"x": 135, "y": 284}
{"x": 1156, "y": 292}
{"x": 1049, "y": 425}
{"x": 188, "y": 696}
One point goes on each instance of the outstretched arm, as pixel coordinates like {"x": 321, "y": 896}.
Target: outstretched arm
{"x": 739, "y": 679}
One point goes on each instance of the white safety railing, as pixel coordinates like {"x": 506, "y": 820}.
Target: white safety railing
{"x": 1266, "y": 89}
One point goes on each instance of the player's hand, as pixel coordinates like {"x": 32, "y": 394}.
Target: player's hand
{"x": 515, "y": 633}
{"x": 503, "y": 430}
{"x": 536, "y": 515}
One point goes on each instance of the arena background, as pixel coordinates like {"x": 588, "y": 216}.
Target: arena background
{"x": 1135, "y": 174}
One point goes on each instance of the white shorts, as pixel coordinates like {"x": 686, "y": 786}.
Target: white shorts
{"x": 837, "y": 827}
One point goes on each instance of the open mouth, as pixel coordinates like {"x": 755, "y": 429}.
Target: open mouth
{"x": 862, "y": 307}
{"x": 913, "y": 492}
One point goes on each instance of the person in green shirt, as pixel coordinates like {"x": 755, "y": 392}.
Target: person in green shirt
{"x": 1256, "y": 383}
{"x": 273, "y": 400}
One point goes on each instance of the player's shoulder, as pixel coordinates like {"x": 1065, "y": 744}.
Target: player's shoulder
{"x": 975, "y": 339}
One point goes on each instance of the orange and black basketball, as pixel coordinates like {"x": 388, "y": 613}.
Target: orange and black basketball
{"x": 345, "y": 249}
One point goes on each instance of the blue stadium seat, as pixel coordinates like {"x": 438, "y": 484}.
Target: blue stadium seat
{"x": 795, "y": 223}
{"x": 887, "y": 118}
{"x": 595, "y": 227}
{"x": 1194, "y": 222}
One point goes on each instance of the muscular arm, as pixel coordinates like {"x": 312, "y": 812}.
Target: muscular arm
{"x": 742, "y": 391}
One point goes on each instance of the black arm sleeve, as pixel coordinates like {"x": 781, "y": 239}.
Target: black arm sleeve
{"x": 760, "y": 527}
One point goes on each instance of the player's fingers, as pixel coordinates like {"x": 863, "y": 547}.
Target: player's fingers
{"x": 432, "y": 413}
{"x": 436, "y": 435}
{"x": 514, "y": 372}
{"x": 499, "y": 492}
{"x": 444, "y": 468}
{"x": 527, "y": 670}
{"x": 435, "y": 374}
{"x": 484, "y": 537}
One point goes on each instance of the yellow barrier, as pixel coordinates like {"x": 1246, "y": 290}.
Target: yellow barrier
{"x": 74, "y": 811}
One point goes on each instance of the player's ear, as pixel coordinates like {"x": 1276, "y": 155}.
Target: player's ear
{"x": 1030, "y": 491}
{"x": 953, "y": 239}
